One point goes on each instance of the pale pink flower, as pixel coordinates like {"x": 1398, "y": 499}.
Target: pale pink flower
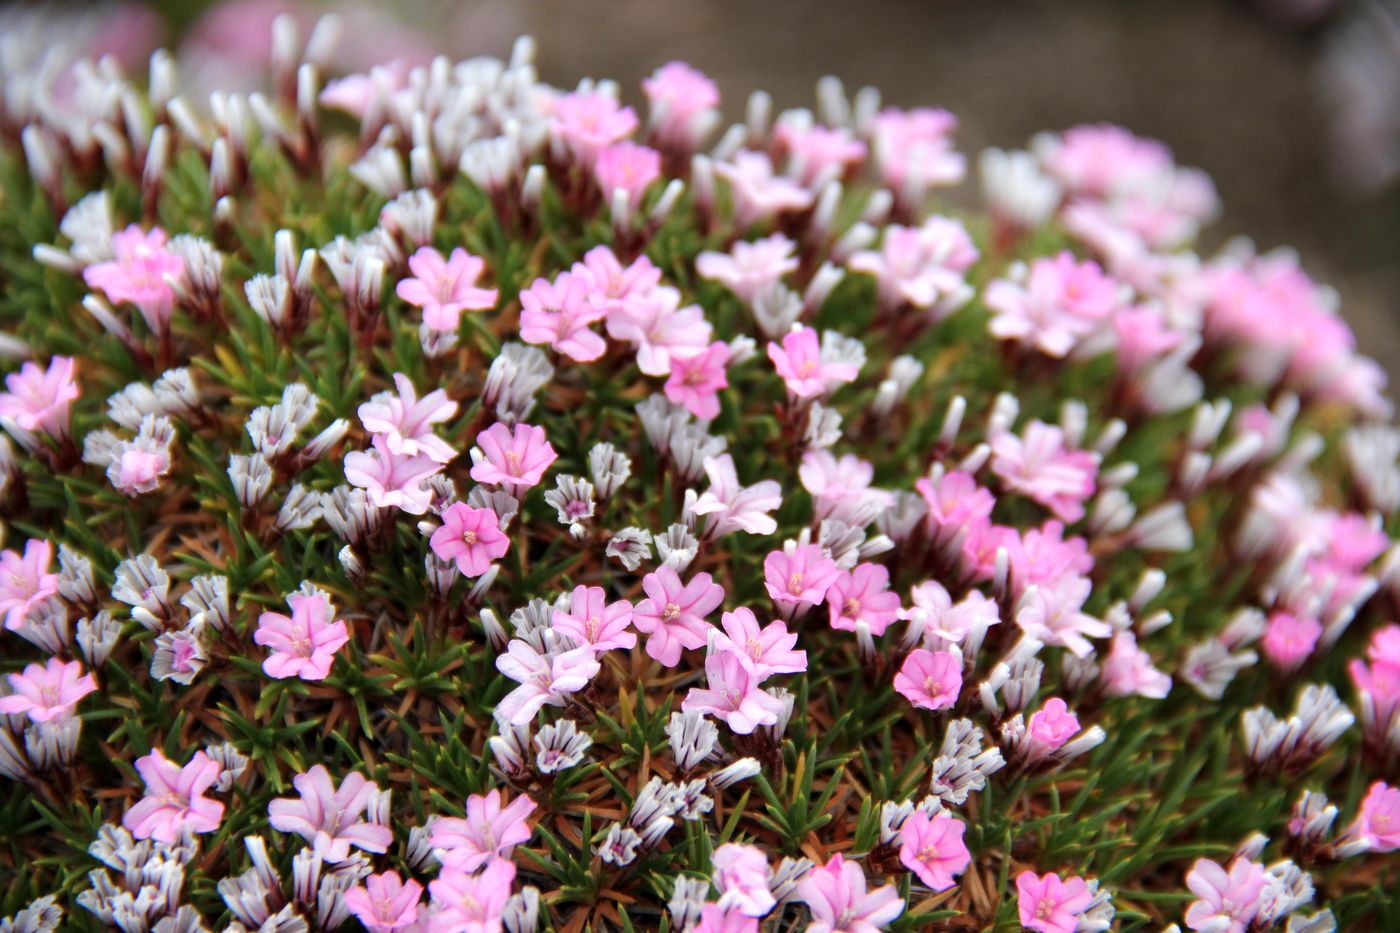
{"x": 471, "y": 537}
{"x": 933, "y": 848}
{"x": 354, "y": 94}
{"x": 406, "y": 421}
{"x": 472, "y": 903}
{"x": 715, "y": 918}
{"x": 1226, "y": 902}
{"x": 741, "y": 874}
{"x": 25, "y": 582}
{"x": 48, "y": 692}
{"x": 749, "y": 269}
{"x": 1061, "y": 302}
{"x": 330, "y": 818}
{"x": 513, "y": 458}
{"x": 758, "y": 192}
{"x": 41, "y": 399}
{"x": 695, "y": 381}
{"x": 629, "y": 168}
{"x": 305, "y": 644}
{"x": 1128, "y": 670}
{"x": 174, "y": 802}
{"x": 684, "y": 105}
{"x": 1050, "y": 904}
{"x": 1289, "y": 640}
{"x": 1102, "y": 160}
{"x": 800, "y": 578}
{"x": 924, "y": 267}
{"x": 766, "y": 649}
{"x": 863, "y": 595}
{"x": 1141, "y": 336}
{"x": 392, "y": 480}
{"x": 544, "y": 679}
{"x": 955, "y": 500}
{"x": 589, "y": 121}
{"x": 817, "y": 153}
{"x": 1041, "y": 466}
{"x": 930, "y": 679}
{"x": 732, "y": 693}
{"x": 1378, "y": 821}
{"x": 836, "y": 895}
{"x": 592, "y": 621}
{"x": 1049, "y": 728}
{"x": 137, "y": 273}
{"x": 660, "y": 328}
{"x": 799, "y": 361}
{"x": 139, "y": 467}
{"x": 673, "y": 614}
{"x": 558, "y": 313}
{"x": 841, "y": 489}
{"x": 914, "y": 151}
{"x": 610, "y": 286}
{"x": 492, "y": 829}
{"x": 385, "y": 902}
{"x": 445, "y": 288}
{"x": 1044, "y": 556}
{"x": 734, "y": 507}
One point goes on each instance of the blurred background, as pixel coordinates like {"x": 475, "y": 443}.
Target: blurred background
{"x": 1293, "y": 106}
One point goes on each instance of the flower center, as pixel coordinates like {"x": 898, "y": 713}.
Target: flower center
{"x": 670, "y": 613}
{"x": 469, "y": 537}
{"x": 795, "y": 584}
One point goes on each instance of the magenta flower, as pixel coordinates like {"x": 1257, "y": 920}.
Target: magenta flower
{"x": 471, "y": 537}
{"x": 1289, "y": 640}
{"x": 406, "y": 421}
{"x": 174, "y": 801}
{"x": 767, "y": 650}
{"x": 331, "y": 818}
{"x": 489, "y": 831}
{"x": 544, "y": 679}
{"x": 749, "y": 269}
{"x": 733, "y": 507}
{"x": 629, "y": 168}
{"x": 513, "y": 458}
{"x": 468, "y": 903}
{"x": 684, "y": 105}
{"x": 558, "y": 314}
{"x": 1128, "y": 670}
{"x": 660, "y": 328}
{"x": 696, "y": 380}
{"x": 863, "y": 595}
{"x": 445, "y": 288}
{"x": 673, "y": 615}
{"x": 741, "y": 874}
{"x": 733, "y": 693}
{"x": 393, "y": 481}
{"x": 799, "y": 361}
{"x": 588, "y": 121}
{"x": 933, "y": 848}
{"x": 592, "y": 621}
{"x": 305, "y": 644}
{"x": 48, "y": 692}
{"x": 25, "y": 582}
{"x": 715, "y": 918}
{"x": 758, "y": 192}
{"x": 836, "y": 895}
{"x": 799, "y": 578}
{"x": 930, "y": 679}
{"x": 1040, "y": 466}
{"x": 1226, "y": 902}
{"x": 1050, "y": 904}
{"x": 385, "y": 902}
{"x": 137, "y": 273}
{"x": 41, "y": 399}
{"x": 1378, "y": 822}
{"x": 1050, "y": 727}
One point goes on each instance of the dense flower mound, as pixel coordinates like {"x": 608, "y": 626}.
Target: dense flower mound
{"x": 438, "y": 501}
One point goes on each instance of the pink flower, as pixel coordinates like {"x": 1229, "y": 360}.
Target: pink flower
{"x": 1289, "y": 640}
{"x": 1226, "y": 903}
{"x": 406, "y": 422}
{"x": 749, "y": 269}
{"x": 48, "y": 692}
{"x": 385, "y": 902}
{"x": 1142, "y": 336}
{"x": 836, "y": 895}
{"x": 766, "y": 650}
{"x": 544, "y": 679}
{"x": 472, "y": 903}
{"x": 305, "y": 644}
{"x": 673, "y": 614}
{"x": 684, "y": 105}
{"x": 799, "y": 361}
{"x": 629, "y": 168}
{"x": 802, "y": 577}
{"x": 330, "y": 818}
{"x": 733, "y": 507}
{"x": 591, "y": 621}
{"x": 1378, "y": 822}
{"x": 558, "y": 314}
{"x": 355, "y": 93}
{"x": 923, "y": 267}
{"x": 445, "y": 288}
{"x": 490, "y": 830}
{"x": 863, "y": 595}
{"x": 588, "y": 121}
{"x": 696, "y": 380}
{"x": 1040, "y": 466}
{"x": 1061, "y": 302}
{"x": 933, "y": 848}
{"x": 955, "y": 500}
{"x": 174, "y": 801}
{"x": 660, "y": 328}
{"x": 930, "y": 679}
{"x": 1050, "y": 904}
{"x": 25, "y": 582}
{"x": 513, "y": 458}
{"x": 393, "y": 481}
{"x": 1044, "y": 556}
{"x": 1052, "y": 612}
{"x": 1102, "y": 160}
{"x": 137, "y": 273}
{"x": 741, "y": 874}
{"x": 733, "y": 693}
{"x": 1128, "y": 670}
{"x": 471, "y": 537}
{"x": 715, "y": 918}
{"x": 138, "y": 468}
{"x": 817, "y": 152}
{"x": 914, "y": 151}
{"x": 609, "y": 286}
{"x": 841, "y": 488}
{"x": 1049, "y": 728}
{"x": 40, "y": 399}
{"x": 758, "y": 193}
